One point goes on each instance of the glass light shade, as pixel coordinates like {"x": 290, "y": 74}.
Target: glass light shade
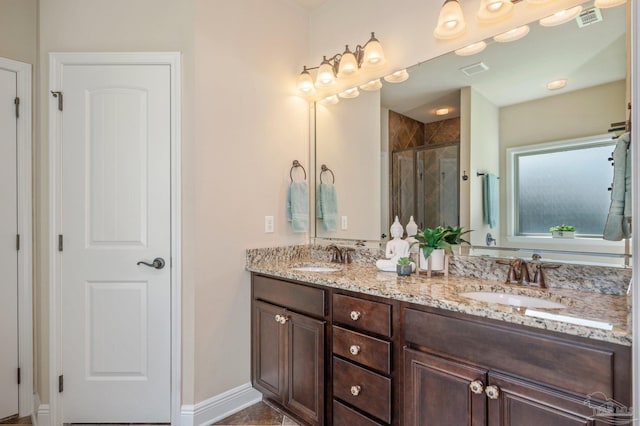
{"x": 603, "y": 4}
{"x": 561, "y": 17}
{"x": 442, "y": 111}
{"x": 330, "y": 100}
{"x": 492, "y": 11}
{"x": 512, "y": 35}
{"x": 373, "y": 56}
{"x": 471, "y": 49}
{"x": 451, "y": 22}
{"x": 556, "y": 84}
{"x": 397, "y": 77}
{"x": 348, "y": 64}
{"x": 349, "y": 93}
{"x": 325, "y": 75}
{"x": 372, "y": 85}
{"x": 305, "y": 82}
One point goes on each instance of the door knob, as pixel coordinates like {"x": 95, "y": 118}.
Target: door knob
{"x": 157, "y": 263}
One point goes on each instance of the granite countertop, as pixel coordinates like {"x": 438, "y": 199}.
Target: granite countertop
{"x": 444, "y": 293}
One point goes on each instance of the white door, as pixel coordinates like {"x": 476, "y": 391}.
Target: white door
{"x": 8, "y": 252}
{"x": 115, "y": 212}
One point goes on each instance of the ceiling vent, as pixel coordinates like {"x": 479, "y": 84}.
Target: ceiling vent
{"x": 588, "y": 17}
{"x": 474, "y": 69}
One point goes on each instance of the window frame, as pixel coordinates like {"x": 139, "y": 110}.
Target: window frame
{"x": 512, "y": 183}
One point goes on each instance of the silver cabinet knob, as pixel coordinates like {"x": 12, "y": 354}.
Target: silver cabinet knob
{"x": 281, "y": 319}
{"x": 355, "y": 315}
{"x": 492, "y": 392}
{"x": 354, "y": 349}
{"x": 476, "y": 387}
{"x": 355, "y": 390}
{"x": 278, "y": 318}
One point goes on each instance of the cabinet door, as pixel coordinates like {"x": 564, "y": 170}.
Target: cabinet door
{"x": 438, "y": 392}
{"x": 305, "y": 372}
{"x": 268, "y": 350}
{"x": 521, "y": 403}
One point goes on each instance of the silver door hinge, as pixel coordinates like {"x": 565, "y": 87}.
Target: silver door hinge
{"x": 16, "y": 101}
{"x": 59, "y": 96}
{"x": 60, "y": 243}
{"x": 60, "y": 383}
{"x": 19, "y": 378}
{"x": 18, "y": 242}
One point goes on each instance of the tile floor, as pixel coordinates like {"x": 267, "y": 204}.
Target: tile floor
{"x": 260, "y": 414}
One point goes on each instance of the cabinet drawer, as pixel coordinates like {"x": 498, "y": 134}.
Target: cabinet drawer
{"x": 369, "y": 351}
{"x": 343, "y": 415}
{"x": 362, "y": 314}
{"x": 551, "y": 360}
{"x": 296, "y": 297}
{"x": 372, "y": 391}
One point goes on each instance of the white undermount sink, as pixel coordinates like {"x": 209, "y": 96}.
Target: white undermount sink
{"x": 513, "y": 300}
{"x": 317, "y": 268}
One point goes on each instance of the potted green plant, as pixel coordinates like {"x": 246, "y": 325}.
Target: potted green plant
{"x": 562, "y": 231}
{"x": 454, "y": 235}
{"x": 403, "y": 268}
{"x": 432, "y": 242}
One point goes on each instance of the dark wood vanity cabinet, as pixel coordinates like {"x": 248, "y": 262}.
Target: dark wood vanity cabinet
{"x": 288, "y": 347}
{"x": 467, "y": 372}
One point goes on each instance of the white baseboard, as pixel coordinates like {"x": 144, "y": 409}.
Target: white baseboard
{"x": 40, "y": 414}
{"x": 220, "y": 406}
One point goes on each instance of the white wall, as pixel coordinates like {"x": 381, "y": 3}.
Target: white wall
{"x": 485, "y": 157}
{"x": 349, "y": 131}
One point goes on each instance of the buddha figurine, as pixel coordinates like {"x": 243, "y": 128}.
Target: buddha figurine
{"x": 396, "y": 248}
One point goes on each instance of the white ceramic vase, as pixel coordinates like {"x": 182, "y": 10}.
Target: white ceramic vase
{"x": 437, "y": 260}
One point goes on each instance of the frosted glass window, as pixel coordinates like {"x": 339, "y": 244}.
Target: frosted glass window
{"x": 566, "y": 185}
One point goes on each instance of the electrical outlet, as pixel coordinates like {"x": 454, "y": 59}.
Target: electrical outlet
{"x": 344, "y": 223}
{"x": 268, "y": 224}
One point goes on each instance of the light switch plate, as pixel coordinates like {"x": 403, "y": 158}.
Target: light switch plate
{"x": 268, "y": 224}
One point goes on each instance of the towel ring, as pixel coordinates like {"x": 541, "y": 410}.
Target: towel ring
{"x": 323, "y": 169}
{"x": 296, "y": 163}
{"x": 482, "y": 174}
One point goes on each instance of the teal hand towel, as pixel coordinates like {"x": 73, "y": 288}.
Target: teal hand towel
{"x": 490, "y": 200}
{"x": 618, "y": 221}
{"x": 298, "y": 206}
{"x": 327, "y": 206}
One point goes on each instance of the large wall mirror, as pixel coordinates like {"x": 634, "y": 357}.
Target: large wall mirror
{"x": 424, "y": 147}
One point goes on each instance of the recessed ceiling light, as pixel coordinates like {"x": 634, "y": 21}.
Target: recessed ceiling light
{"x": 557, "y": 84}
{"x": 471, "y": 49}
{"x": 512, "y": 35}
{"x": 442, "y": 111}
{"x": 561, "y": 17}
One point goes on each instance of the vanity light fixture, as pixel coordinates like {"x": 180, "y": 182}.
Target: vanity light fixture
{"x": 557, "y": 84}
{"x": 512, "y": 35}
{"x": 397, "y": 77}
{"x": 451, "y": 22}
{"x": 492, "y": 11}
{"x": 372, "y": 85}
{"x": 603, "y": 4}
{"x": 343, "y": 65}
{"x": 442, "y": 111}
{"x": 561, "y": 17}
{"x": 471, "y": 49}
{"x": 330, "y": 100}
{"x": 349, "y": 93}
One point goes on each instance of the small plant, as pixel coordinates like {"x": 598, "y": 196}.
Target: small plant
{"x": 404, "y": 261}
{"x": 562, "y": 228}
{"x": 430, "y": 239}
{"x": 454, "y": 235}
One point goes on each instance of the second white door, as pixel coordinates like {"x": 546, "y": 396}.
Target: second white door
{"x": 115, "y": 212}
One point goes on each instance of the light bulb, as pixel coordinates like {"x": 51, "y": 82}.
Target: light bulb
{"x": 492, "y": 11}
{"x": 348, "y": 64}
{"x": 305, "y": 82}
{"x": 373, "y": 54}
{"x": 451, "y": 22}
{"x": 325, "y": 75}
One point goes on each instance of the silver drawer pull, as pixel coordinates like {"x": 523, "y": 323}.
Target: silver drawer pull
{"x": 355, "y": 390}
{"x": 354, "y": 349}
{"x": 355, "y": 315}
